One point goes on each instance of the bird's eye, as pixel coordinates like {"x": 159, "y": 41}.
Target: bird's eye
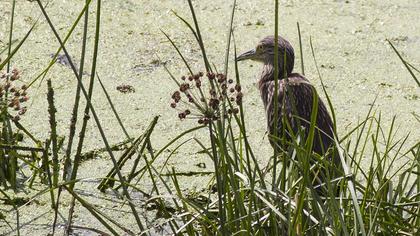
{"x": 259, "y": 47}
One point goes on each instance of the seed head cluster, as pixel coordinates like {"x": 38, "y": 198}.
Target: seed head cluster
{"x": 206, "y": 98}
{"x": 12, "y": 95}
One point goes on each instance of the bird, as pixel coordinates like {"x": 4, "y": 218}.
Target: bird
{"x": 295, "y": 98}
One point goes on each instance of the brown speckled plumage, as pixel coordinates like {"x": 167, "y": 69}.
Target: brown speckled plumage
{"x": 296, "y": 103}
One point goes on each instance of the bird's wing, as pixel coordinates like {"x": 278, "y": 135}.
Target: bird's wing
{"x": 303, "y": 94}
{"x": 295, "y": 103}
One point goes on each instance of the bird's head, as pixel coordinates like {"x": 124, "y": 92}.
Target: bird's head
{"x": 264, "y": 52}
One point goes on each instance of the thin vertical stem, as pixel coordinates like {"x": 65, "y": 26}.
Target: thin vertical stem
{"x": 10, "y": 163}
{"x": 276, "y": 87}
{"x": 73, "y": 119}
{"x": 218, "y": 180}
{"x": 53, "y": 135}
{"x": 276, "y": 103}
{"x": 229, "y": 39}
{"x": 46, "y": 170}
{"x": 300, "y": 50}
{"x": 11, "y": 34}
{"x": 200, "y": 40}
{"x": 417, "y": 159}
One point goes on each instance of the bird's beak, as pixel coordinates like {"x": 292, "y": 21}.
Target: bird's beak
{"x": 247, "y": 55}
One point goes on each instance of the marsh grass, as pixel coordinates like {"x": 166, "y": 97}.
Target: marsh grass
{"x": 246, "y": 198}
{"x": 248, "y": 202}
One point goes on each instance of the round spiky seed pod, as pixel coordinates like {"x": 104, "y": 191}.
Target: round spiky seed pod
{"x": 211, "y": 75}
{"x": 182, "y": 115}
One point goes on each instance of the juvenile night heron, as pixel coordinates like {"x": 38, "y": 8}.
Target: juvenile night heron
{"x": 296, "y": 103}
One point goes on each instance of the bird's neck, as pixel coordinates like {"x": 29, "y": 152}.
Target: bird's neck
{"x": 267, "y": 74}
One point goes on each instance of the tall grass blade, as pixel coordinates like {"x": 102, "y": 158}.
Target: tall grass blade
{"x": 43, "y": 74}
{"x": 199, "y": 38}
{"x": 13, "y": 52}
{"x": 276, "y": 89}
{"x": 11, "y": 34}
{"x": 229, "y": 36}
{"x": 179, "y": 53}
{"x": 90, "y": 208}
{"x": 113, "y": 108}
{"x": 74, "y": 115}
{"x": 300, "y": 50}
{"x": 405, "y": 63}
